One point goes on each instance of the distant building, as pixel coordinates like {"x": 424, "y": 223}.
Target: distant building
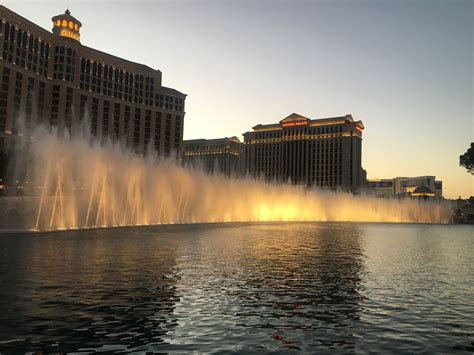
{"x": 463, "y": 210}
{"x": 408, "y": 185}
{"x": 380, "y": 187}
{"x": 220, "y": 155}
{"x": 309, "y": 152}
{"x": 51, "y": 78}
{"x": 420, "y": 186}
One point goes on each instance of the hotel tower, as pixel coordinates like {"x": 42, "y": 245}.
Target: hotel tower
{"x": 221, "y": 155}
{"x": 308, "y": 152}
{"x": 51, "y": 78}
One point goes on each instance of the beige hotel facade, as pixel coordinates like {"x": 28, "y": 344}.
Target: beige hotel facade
{"x": 51, "y": 78}
{"x": 322, "y": 152}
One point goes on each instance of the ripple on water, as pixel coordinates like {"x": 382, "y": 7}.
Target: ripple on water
{"x": 315, "y": 287}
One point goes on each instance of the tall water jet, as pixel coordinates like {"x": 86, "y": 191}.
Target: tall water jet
{"x": 86, "y": 184}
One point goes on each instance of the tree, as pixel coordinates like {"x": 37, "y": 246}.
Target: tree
{"x": 467, "y": 159}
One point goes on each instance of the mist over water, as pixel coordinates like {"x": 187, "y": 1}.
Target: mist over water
{"x": 87, "y": 184}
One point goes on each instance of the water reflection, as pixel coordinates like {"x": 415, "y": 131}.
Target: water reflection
{"x": 313, "y": 287}
{"x": 297, "y": 284}
{"x": 66, "y": 292}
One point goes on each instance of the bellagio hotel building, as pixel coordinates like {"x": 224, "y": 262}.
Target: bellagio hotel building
{"x": 308, "y": 152}
{"x": 50, "y": 77}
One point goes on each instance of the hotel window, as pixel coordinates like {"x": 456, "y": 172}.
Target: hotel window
{"x": 105, "y": 119}
{"x": 55, "y": 106}
{"x": 116, "y": 123}
{"x": 40, "y": 102}
{"x": 4, "y": 98}
{"x": 94, "y": 115}
{"x": 29, "y": 98}
{"x": 126, "y": 122}
{"x": 7, "y": 47}
{"x": 82, "y": 108}
{"x": 177, "y": 131}
{"x": 70, "y": 64}
{"x": 17, "y": 99}
{"x": 158, "y": 131}
{"x": 168, "y": 134}
{"x": 136, "y": 126}
{"x": 68, "y": 115}
{"x": 147, "y": 135}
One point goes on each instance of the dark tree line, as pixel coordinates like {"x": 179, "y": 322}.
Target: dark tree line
{"x": 467, "y": 159}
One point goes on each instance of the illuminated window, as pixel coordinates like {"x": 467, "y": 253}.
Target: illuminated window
{"x": 64, "y": 23}
{"x": 71, "y": 25}
{"x": 58, "y": 23}
{"x": 76, "y": 27}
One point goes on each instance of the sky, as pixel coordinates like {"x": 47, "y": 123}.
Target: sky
{"x": 404, "y": 68}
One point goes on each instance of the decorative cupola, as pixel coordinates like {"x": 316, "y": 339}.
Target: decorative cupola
{"x": 66, "y": 25}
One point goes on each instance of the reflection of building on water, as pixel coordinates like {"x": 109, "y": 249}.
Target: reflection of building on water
{"x": 311, "y": 277}
{"x": 420, "y": 186}
{"x": 91, "y": 288}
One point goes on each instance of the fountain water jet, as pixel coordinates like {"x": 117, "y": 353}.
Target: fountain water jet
{"x": 87, "y": 185}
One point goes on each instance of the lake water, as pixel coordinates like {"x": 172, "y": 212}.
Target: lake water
{"x": 314, "y": 287}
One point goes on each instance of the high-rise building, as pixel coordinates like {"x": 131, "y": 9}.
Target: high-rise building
{"x": 310, "y": 152}
{"x": 51, "y": 78}
{"x": 220, "y": 155}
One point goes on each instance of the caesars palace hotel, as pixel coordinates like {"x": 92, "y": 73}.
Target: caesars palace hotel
{"x": 50, "y": 77}
{"x": 322, "y": 152}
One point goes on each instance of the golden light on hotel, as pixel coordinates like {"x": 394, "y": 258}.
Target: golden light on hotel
{"x": 295, "y": 123}
{"x": 66, "y": 25}
{"x": 67, "y": 33}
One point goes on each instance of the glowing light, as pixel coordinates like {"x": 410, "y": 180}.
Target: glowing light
{"x": 126, "y": 189}
{"x": 70, "y": 34}
{"x": 296, "y": 123}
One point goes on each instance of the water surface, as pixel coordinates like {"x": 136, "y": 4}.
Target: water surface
{"x": 314, "y": 287}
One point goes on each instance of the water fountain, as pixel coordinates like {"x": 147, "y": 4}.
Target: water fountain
{"x": 87, "y": 184}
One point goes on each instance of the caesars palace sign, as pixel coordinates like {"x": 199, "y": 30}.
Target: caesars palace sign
{"x": 295, "y": 123}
